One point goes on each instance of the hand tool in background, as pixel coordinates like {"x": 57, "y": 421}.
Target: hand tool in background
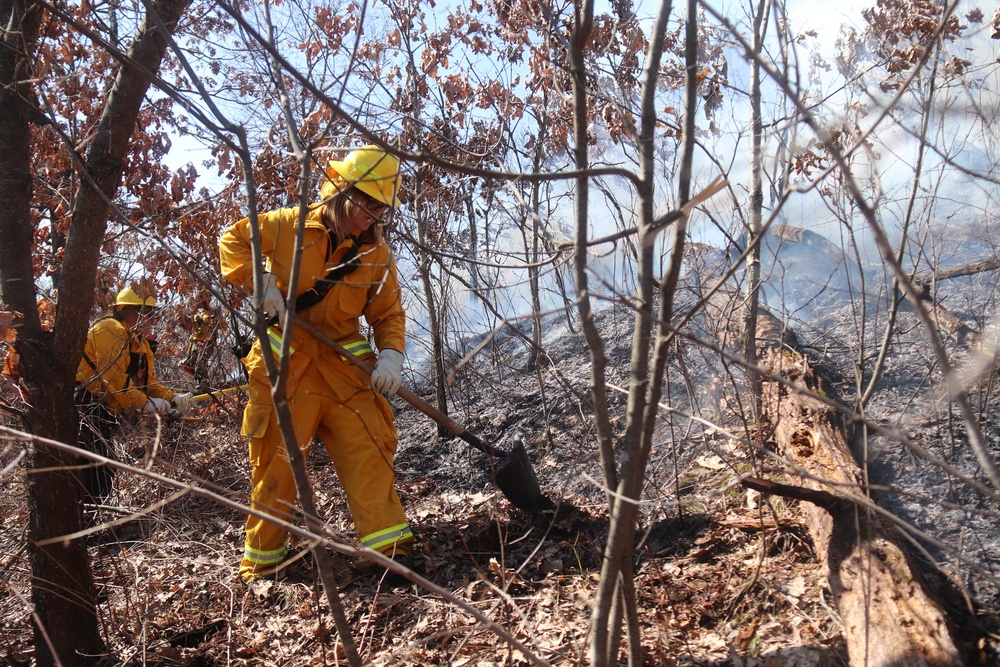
{"x": 219, "y": 392}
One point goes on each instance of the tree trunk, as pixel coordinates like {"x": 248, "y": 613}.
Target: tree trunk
{"x": 61, "y": 580}
{"x": 752, "y": 273}
{"x": 889, "y": 620}
{"x": 535, "y": 358}
{"x": 423, "y": 219}
{"x": 63, "y": 594}
{"x": 66, "y": 630}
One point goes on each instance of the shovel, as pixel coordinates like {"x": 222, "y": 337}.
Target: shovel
{"x": 220, "y": 392}
{"x": 513, "y": 473}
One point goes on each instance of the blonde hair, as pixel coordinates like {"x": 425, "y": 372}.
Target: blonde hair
{"x": 338, "y": 206}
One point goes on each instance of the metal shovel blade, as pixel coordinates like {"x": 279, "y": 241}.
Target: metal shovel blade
{"x": 516, "y": 479}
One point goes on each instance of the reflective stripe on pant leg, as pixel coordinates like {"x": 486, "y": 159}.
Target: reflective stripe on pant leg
{"x": 273, "y": 492}
{"x": 389, "y": 536}
{"x": 264, "y": 558}
{"x": 273, "y": 486}
{"x": 361, "y": 440}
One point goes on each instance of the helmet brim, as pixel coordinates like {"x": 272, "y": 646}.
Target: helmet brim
{"x": 367, "y": 185}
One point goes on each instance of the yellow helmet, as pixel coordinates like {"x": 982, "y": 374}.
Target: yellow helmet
{"x": 370, "y": 169}
{"x": 129, "y": 297}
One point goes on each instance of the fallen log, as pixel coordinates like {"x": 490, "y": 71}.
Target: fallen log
{"x": 889, "y": 618}
{"x": 958, "y": 271}
{"x": 948, "y": 323}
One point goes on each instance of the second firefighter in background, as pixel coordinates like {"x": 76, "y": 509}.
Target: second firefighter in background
{"x": 115, "y": 376}
{"x": 328, "y": 396}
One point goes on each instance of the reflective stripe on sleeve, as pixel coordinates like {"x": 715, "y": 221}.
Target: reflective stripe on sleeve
{"x": 274, "y": 337}
{"x": 358, "y": 348}
{"x": 387, "y": 536}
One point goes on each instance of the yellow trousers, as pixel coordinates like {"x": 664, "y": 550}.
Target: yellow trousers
{"x": 356, "y": 427}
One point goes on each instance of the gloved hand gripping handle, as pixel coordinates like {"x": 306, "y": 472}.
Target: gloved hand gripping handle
{"x": 512, "y": 471}
{"x": 405, "y": 394}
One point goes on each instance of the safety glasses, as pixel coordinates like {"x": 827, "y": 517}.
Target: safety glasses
{"x": 368, "y": 203}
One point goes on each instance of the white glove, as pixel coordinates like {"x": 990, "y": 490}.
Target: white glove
{"x": 388, "y": 374}
{"x": 157, "y": 406}
{"x": 183, "y": 402}
{"x": 274, "y": 301}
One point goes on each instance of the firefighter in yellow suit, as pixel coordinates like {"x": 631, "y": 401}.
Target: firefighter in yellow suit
{"x": 116, "y": 375}
{"x": 347, "y": 262}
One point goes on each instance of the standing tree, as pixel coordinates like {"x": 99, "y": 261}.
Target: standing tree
{"x": 48, "y": 348}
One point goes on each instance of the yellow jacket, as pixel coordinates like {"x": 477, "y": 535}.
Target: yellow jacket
{"x": 117, "y": 366}
{"x": 371, "y": 290}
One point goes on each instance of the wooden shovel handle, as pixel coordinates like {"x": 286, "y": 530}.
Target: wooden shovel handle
{"x": 220, "y": 392}
{"x": 404, "y": 393}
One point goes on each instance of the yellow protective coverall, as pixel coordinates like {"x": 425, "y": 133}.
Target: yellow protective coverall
{"x": 327, "y": 396}
{"x": 117, "y": 367}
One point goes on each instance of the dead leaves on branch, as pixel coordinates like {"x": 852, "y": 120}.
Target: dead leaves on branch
{"x": 904, "y": 31}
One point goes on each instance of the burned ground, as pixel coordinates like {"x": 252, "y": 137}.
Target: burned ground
{"x": 723, "y": 576}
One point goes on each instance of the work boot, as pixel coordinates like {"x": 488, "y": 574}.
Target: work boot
{"x": 391, "y": 579}
{"x": 295, "y": 568}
